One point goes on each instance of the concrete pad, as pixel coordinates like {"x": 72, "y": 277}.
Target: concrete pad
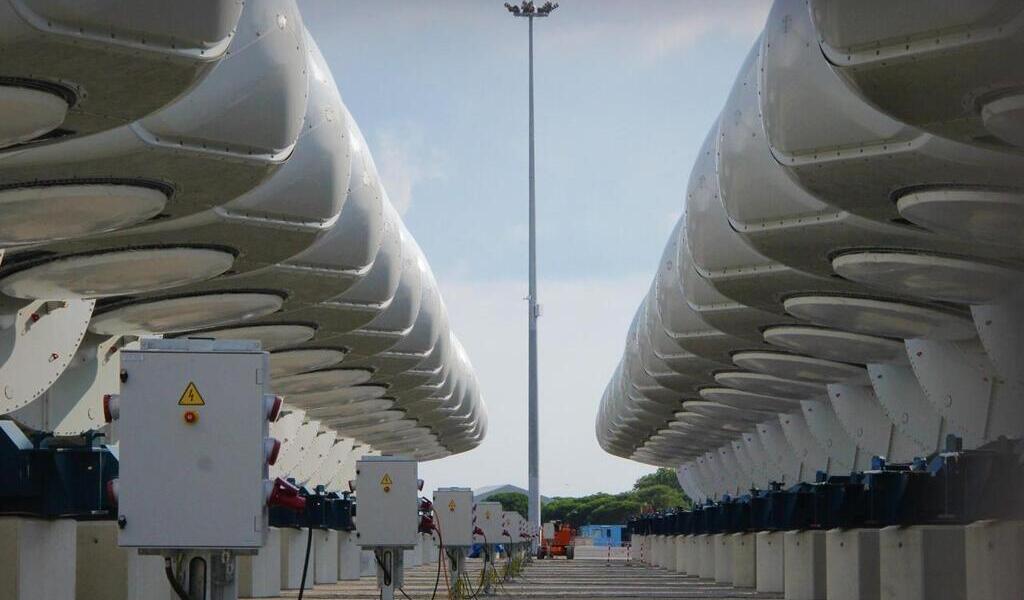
{"x": 743, "y": 548}
{"x": 348, "y": 556}
{"x": 681, "y": 547}
{"x": 293, "y": 554}
{"x": 723, "y": 557}
{"x": 39, "y": 559}
{"x": 706, "y": 567}
{"x": 259, "y": 575}
{"x": 433, "y": 552}
{"x": 995, "y": 560}
{"x": 105, "y": 570}
{"x": 669, "y": 545}
{"x": 693, "y": 556}
{"x": 367, "y": 564}
{"x": 924, "y": 562}
{"x": 325, "y": 551}
{"x": 805, "y": 565}
{"x": 851, "y": 562}
{"x": 770, "y": 555}
{"x": 414, "y": 556}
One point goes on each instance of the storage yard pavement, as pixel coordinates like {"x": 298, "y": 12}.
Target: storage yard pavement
{"x": 590, "y": 576}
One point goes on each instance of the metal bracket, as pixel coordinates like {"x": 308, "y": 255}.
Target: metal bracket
{"x": 904, "y": 402}
{"x": 867, "y": 423}
{"x": 764, "y": 469}
{"x": 814, "y": 457}
{"x": 843, "y": 452}
{"x": 37, "y": 342}
{"x": 960, "y": 382}
{"x": 1001, "y": 329}
{"x": 780, "y": 452}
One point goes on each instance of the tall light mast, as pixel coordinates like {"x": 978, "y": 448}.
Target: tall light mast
{"x": 529, "y": 11}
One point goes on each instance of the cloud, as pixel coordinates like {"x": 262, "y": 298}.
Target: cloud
{"x": 653, "y": 29}
{"x": 581, "y": 335}
{"x": 405, "y": 160}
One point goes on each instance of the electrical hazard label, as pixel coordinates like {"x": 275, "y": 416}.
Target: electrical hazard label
{"x": 451, "y": 505}
{"x": 191, "y": 396}
{"x": 386, "y": 483}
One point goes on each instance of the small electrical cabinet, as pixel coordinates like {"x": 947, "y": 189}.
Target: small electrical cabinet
{"x": 387, "y": 504}
{"x": 489, "y": 517}
{"x": 192, "y": 416}
{"x": 453, "y": 508}
{"x": 513, "y": 524}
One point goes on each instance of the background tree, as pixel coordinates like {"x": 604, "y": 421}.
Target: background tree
{"x": 656, "y": 491}
{"x": 512, "y": 501}
{"x": 662, "y": 476}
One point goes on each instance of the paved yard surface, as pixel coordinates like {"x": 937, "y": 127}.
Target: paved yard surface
{"x": 581, "y": 579}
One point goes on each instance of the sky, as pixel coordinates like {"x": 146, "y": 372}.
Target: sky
{"x": 625, "y": 92}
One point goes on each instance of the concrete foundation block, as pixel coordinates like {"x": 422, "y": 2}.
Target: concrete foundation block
{"x": 723, "y": 558}
{"x": 413, "y": 557}
{"x": 706, "y": 567}
{"x": 692, "y": 556}
{"x": 325, "y": 549}
{"x": 39, "y": 559}
{"x": 995, "y": 560}
{"x": 681, "y": 557}
{"x": 293, "y": 555}
{"x": 431, "y": 552}
{"x": 348, "y": 556}
{"x": 743, "y": 550}
{"x": 924, "y": 562}
{"x": 851, "y": 562}
{"x": 805, "y": 577}
{"x": 259, "y": 575}
{"x": 367, "y": 564}
{"x": 105, "y": 570}
{"x": 669, "y": 558}
{"x": 633, "y": 548}
{"x": 656, "y": 543}
{"x": 770, "y": 556}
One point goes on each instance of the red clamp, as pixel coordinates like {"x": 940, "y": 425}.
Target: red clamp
{"x": 111, "y": 407}
{"x": 286, "y": 495}
{"x": 426, "y": 524}
{"x": 111, "y": 492}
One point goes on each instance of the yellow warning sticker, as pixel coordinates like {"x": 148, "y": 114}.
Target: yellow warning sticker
{"x": 191, "y": 396}
{"x": 386, "y": 483}
{"x": 487, "y": 515}
{"x": 451, "y": 505}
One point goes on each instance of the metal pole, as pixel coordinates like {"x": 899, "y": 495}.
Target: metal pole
{"x": 534, "y": 421}
{"x": 529, "y": 10}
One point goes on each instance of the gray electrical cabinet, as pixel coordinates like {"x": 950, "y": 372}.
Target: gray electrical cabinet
{"x": 193, "y": 423}
{"x": 453, "y": 508}
{"x": 489, "y": 520}
{"x": 387, "y": 502}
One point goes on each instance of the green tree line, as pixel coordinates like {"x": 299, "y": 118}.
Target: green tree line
{"x": 656, "y": 491}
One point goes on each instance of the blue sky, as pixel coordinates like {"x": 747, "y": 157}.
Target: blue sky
{"x": 626, "y": 90}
